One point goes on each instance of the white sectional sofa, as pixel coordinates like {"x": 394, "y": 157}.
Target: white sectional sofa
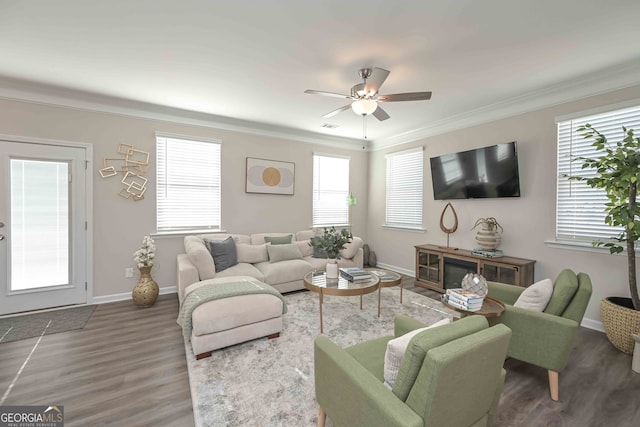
{"x": 223, "y": 322}
{"x": 197, "y": 264}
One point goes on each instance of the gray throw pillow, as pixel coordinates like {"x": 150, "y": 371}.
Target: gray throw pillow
{"x": 278, "y": 240}
{"x": 317, "y": 252}
{"x": 279, "y": 253}
{"x": 223, "y": 252}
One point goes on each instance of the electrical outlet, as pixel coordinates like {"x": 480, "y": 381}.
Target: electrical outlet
{"x": 128, "y": 272}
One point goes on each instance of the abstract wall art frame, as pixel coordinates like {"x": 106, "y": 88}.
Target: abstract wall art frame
{"x": 270, "y": 176}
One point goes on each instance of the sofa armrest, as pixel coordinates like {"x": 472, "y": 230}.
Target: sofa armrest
{"x": 351, "y": 395}
{"x": 358, "y": 258}
{"x": 539, "y": 338}
{"x": 187, "y": 274}
{"x": 504, "y": 292}
{"x": 404, "y": 324}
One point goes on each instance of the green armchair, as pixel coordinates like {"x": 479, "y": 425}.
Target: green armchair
{"x": 449, "y": 376}
{"x": 545, "y": 338}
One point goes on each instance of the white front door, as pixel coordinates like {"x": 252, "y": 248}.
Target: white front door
{"x": 43, "y": 246}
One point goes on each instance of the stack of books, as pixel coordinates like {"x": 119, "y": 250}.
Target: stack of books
{"x": 487, "y": 253}
{"x": 354, "y": 274}
{"x": 464, "y": 299}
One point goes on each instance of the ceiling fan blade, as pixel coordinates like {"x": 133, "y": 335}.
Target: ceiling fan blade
{"x": 331, "y": 94}
{"x": 375, "y": 80}
{"x": 380, "y": 114}
{"x": 409, "y": 96}
{"x": 339, "y": 110}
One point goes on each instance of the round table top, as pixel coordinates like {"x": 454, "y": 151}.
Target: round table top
{"x": 316, "y": 281}
{"x": 387, "y": 278}
{"x": 490, "y": 308}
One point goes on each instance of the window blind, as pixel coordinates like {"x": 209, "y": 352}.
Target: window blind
{"x": 579, "y": 208}
{"x": 404, "y": 188}
{"x": 188, "y": 184}
{"x": 330, "y": 190}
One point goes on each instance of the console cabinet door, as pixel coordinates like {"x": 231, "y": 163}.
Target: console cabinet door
{"x": 429, "y": 268}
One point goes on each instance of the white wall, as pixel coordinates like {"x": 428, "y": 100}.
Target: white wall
{"x": 120, "y": 224}
{"x": 528, "y": 221}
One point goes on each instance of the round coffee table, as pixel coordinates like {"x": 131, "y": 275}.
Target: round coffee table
{"x": 388, "y": 279}
{"x": 490, "y": 308}
{"x": 316, "y": 281}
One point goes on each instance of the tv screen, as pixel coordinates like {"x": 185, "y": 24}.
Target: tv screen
{"x": 481, "y": 173}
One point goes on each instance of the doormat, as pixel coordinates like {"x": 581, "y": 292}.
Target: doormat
{"x": 51, "y": 322}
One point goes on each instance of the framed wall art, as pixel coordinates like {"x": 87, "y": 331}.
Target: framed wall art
{"x": 270, "y": 176}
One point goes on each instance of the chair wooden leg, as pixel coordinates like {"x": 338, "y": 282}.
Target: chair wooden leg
{"x": 553, "y": 385}
{"x": 321, "y": 416}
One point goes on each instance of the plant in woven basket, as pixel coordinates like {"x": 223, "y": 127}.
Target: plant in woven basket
{"x": 617, "y": 173}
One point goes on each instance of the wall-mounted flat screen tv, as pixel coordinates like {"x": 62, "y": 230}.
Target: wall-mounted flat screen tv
{"x": 486, "y": 172}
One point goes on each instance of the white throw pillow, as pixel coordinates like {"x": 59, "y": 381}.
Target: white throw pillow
{"x": 252, "y": 254}
{"x": 395, "y": 352}
{"x": 536, "y": 297}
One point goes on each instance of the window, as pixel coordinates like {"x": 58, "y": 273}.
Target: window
{"x": 330, "y": 190}
{"x": 404, "y": 188}
{"x": 580, "y": 208}
{"x": 188, "y": 184}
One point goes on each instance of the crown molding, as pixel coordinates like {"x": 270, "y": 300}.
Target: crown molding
{"x": 607, "y": 80}
{"x": 37, "y": 93}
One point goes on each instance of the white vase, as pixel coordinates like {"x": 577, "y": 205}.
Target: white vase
{"x": 332, "y": 269}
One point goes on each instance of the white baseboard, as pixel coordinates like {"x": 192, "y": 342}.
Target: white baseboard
{"x": 127, "y": 295}
{"x": 595, "y": 325}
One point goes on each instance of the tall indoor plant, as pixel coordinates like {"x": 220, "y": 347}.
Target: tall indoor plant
{"x": 617, "y": 173}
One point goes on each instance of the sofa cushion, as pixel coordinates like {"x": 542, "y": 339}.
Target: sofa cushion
{"x": 278, "y": 240}
{"x": 317, "y": 263}
{"x": 200, "y": 257}
{"x": 304, "y": 247}
{"x": 536, "y": 296}
{"x": 259, "y": 239}
{"x": 242, "y": 269}
{"x": 223, "y": 252}
{"x": 351, "y": 249}
{"x": 252, "y": 253}
{"x": 396, "y": 349}
{"x": 305, "y": 235}
{"x": 279, "y": 253}
{"x": 564, "y": 289}
{"x": 284, "y": 271}
{"x": 238, "y": 238}
{"x": 228, "y": 313}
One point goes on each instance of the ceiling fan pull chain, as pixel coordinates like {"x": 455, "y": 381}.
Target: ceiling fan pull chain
{"x": 364, "y": 126}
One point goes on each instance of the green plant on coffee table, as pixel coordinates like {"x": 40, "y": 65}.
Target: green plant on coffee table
{"x": 331, "y": 241}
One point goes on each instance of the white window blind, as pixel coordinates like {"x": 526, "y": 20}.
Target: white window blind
{"x": 404, "y": 188}
{"x": 579, "y": 208}
{"x": 330, "y": 190}
{"x": 188, "y": 184}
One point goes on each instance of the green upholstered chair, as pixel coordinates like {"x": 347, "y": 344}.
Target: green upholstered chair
{"x": 545, "y": 338}
{"x": 451, "y": 376}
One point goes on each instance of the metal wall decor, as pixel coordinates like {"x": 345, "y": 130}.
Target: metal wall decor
{"x": 133, "y": 166}
{"x": 453, "y": 228}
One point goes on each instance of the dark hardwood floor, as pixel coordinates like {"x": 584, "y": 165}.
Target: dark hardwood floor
{"x": 127, "y": 367}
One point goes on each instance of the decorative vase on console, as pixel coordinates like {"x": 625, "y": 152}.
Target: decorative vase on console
{"x": 146, "y": 291}
{"x": 331, "y": 241}
{"x": 488, "y": 236}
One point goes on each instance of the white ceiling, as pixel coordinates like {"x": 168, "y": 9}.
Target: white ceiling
{"x": 252, "y": 60}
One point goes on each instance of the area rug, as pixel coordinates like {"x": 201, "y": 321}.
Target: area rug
{"x": 269, "y": 382}
{"x": 51, "y": 322}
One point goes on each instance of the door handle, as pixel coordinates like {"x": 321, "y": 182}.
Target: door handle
{"x": 1, "y": 236}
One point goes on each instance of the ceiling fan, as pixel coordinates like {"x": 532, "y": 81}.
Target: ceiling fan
{"x": 366, "y": 98}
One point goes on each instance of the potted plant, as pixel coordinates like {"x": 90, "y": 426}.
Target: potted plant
{"x": 617, "y": 172}
{"x": 331, "y": 241}
{"x": 488, "y": 236}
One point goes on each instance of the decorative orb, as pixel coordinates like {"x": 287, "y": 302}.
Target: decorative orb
{"x": 475, "y": 283}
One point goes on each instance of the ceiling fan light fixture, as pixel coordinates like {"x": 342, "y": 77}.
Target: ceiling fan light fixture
{"x": 364, "y": 107}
